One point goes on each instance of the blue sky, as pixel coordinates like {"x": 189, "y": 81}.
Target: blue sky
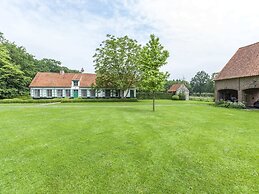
{"x": 199, "y": 34}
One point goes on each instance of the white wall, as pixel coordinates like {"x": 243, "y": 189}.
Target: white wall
{"x": 100, "y": 93}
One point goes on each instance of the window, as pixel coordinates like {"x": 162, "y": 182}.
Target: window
{"x": 75, "y": 83}
{"x": 59, "y": 93}
{"x": 117, "y": 93}
{"x": 68, "y": 93}
{"x": 92, "y": 93}
{"x": 84, "y": 93}
{"x": 49, "y": 93}
{"x": 107, "y": 93}
{"x": 36, "y": 93}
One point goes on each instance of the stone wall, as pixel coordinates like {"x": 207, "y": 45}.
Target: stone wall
{"x": 242, "y": 86}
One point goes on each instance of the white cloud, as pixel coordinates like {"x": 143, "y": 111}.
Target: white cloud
{"x": 200, "y": 34}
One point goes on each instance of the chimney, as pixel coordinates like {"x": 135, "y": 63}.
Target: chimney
{"x": 82, "y": 70}
{"x": 61, "y": 72}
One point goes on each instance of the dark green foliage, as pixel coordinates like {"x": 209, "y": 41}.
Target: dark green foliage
{"x": 149, "y": 95}
{"x": 12, "y": 81}
{"x": 202, "y": 83}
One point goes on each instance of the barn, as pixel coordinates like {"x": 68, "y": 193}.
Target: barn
{"x": 239, "y": 79}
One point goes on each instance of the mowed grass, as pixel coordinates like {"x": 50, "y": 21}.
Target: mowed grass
{"x": 183, "y": 147}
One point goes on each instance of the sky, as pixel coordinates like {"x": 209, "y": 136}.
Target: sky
{"x": 199, "y": 34}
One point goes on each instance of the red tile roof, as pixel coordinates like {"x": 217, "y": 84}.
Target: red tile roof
{"x": 44, "y": 79}
{"x": 174, "y": 87}
{"x": 244, "y": 63}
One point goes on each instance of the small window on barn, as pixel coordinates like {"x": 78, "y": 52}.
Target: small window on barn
{"x": 49, "y": 93}
{"x": 75, "y": 82}
{"x": 60, "y": 93}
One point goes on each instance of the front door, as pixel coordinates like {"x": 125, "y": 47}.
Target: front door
{"x": 132, "y": 93}
{"x": 75, "y": 93}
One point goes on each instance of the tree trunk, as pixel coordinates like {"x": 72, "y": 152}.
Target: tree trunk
{"x": 153, "y": 101}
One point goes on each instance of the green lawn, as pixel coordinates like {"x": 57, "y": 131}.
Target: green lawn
{"x": 184, "y": 147}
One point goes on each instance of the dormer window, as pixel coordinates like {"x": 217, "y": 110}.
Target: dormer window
{"x": 75, "y": 82}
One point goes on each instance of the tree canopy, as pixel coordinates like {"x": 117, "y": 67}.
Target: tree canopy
{"x": 116, "y": 63}
{"x": 201, "y": 83}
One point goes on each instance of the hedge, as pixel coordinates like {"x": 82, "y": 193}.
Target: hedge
{"x": 200, "y": 98}
{"x": 203, "y": 94}
{"x": 68, "y": 100}
{"x": 149, "y": 95}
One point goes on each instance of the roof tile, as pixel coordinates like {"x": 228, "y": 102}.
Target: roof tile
{"x": 244, "y": 63}
{"x": 46, "y": 79}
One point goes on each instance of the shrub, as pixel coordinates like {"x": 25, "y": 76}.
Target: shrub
{"x": 229, "y": 104}
{"x": 182, "y": 96}
{"x": 175, "y": 97}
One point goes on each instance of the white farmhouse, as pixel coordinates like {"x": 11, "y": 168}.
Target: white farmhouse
{"x": 72, "y": 85}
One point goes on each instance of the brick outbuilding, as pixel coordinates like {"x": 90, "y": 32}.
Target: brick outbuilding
{"x": 239, "y": 79}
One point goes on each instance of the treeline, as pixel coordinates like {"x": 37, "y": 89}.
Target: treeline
{"x": 201, "y": 83}
{"x": 18, "y": 67}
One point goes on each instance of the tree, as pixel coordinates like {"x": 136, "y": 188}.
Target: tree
{"x": 4, "y": 55}
{"x": 200, "y": 82}
{"x": 116, "y": 63}
{"x": 19, "y": 66}
{"x": 12, "y": 80}
{"x": 152, "y": 57}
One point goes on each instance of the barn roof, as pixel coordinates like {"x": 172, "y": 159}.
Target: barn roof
{"x": 244, "y": 63}
{"x": 174, "y": 87}
{"x": 46, "y": 79}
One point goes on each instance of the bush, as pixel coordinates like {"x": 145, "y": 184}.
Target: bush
{"x": 229, "y": 104}
{"x": 182, "y": 96}
{"x": 175, "y": 97}
{"x": 67, "y": 100}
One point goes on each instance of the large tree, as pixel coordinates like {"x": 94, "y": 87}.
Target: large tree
{"x": 201, "y": 82}
{"x": 13, "y": 82}
{"x": 152, "y": 57}
{"x": 116, "y": 63}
